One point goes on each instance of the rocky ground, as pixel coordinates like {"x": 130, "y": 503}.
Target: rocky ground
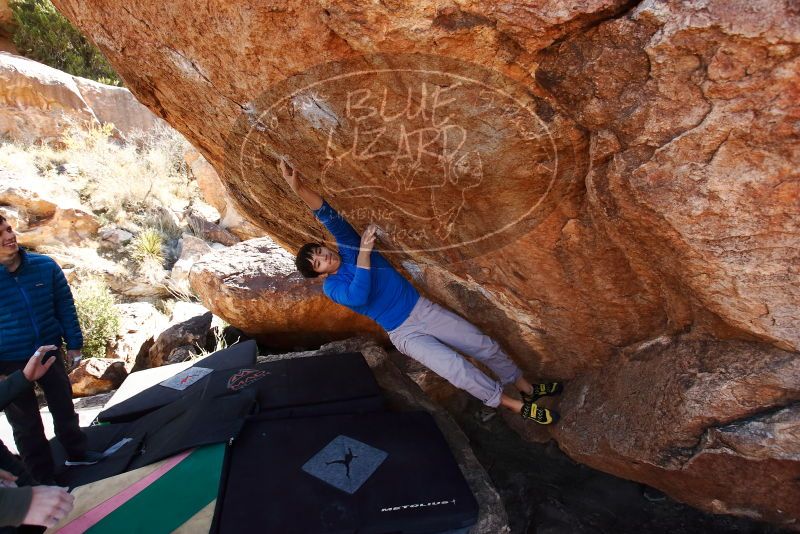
{"x": 545, "y": 492}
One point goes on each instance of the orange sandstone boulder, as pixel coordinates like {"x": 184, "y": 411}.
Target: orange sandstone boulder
{"x": 255, "y": 287}
{"x": 575, "y": 177}
{"x": 96, "y": 375}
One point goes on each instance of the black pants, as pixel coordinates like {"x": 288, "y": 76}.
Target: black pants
{"x": 9, "y": 462}
{"x": 23, "y": 415}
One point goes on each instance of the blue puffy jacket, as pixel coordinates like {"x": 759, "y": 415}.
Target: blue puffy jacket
{"x": 36, "y": 308}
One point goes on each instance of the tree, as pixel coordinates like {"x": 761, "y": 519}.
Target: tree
{"x": 45, "y": 35}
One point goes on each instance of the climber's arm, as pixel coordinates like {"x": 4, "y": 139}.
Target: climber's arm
{"x": 312, "y": 199}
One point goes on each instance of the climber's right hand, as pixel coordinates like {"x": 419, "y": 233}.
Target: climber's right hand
{"x": 290, "y": 174}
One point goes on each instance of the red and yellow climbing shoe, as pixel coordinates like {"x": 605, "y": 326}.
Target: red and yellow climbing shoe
{"x": 542, "y": 390}
{"x": 543, "y": 416}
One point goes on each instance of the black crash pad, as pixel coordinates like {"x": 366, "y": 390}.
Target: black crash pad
{"x": 315, "y": 385}
{"x": 191, "y": 421}
{"x": 369, "y": 473}
{"x": 155, "y": 396}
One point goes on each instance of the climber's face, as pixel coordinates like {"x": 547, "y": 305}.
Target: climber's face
{"x": 325, "y": 260}
{"x": 8, "y": 240}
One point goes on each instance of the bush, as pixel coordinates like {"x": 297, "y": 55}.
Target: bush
{"x": 98, "y": 316}
{"x": 45, "y": 35}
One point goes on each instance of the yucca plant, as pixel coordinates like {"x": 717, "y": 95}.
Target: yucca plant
{"x": 148, "y": 245}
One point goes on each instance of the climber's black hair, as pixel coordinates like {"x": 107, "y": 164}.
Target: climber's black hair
{"x": 303, "y": 260}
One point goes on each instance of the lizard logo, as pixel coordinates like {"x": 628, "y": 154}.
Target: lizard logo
{"x": 245, "y": 377}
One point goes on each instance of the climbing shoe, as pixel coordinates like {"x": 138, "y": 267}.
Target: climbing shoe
{"x": 543, "y": 416}
{"x": 542, "y": 390}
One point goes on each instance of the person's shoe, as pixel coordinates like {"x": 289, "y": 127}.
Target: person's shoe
{"x": 542, "y": 390}
{"x": 543, "y": 416}
{"x": 90, "y": 458}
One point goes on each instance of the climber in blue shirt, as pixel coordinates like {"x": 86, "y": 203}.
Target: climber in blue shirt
{"x": 360, "y": 278}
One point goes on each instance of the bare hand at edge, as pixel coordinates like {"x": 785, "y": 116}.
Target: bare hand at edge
{"x": 49, "y": 505}
{"x": 35, "y": 369}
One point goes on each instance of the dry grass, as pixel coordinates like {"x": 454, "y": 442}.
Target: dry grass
{"x": 117, "y": 178}
{"x": 141, "y": 184}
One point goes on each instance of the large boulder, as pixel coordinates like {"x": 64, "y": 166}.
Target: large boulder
{"x": 575, "y": 177}
{"x": 700, "y": 192}
{"x": 38, "y": 102}
{"x": 255, "y": 287}
{"x": 689, "y": 416}
{"x": 43, "y": 214}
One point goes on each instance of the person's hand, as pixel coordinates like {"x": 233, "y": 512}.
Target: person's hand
{"x": 74, "y": 357}
{"x": 35, "y": 369}
{"x": 290, "y": 174}
{"x": 368, "y": 238}
{"x": 7, "y": 480}
{"x": 50, "y": 504}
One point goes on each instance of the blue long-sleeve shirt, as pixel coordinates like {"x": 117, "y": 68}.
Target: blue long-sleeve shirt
{"x": 379, "y": 292}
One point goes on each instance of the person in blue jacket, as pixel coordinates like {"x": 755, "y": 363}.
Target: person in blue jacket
{"x": 362, "y": 279}
{"x": 36, "y": 309}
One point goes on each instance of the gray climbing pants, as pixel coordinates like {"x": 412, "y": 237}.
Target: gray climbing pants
{"x": 432, "y": 335}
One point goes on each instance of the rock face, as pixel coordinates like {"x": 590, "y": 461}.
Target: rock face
{"x": 180, "y": 340}
{"x": 43, "y": 215}
{"x": 211, "y": 231}
{"x": 7, "y": 27}
{"x": 575, "y": 177}
{"x": 37, "y": 102}
{"x": 183, "y": 338}
{"x": 191, "y": 250}
{"x": 702, "y": 194}
{"x": 688, "y": 416}
{"x": 214, "y": 193}
{"x": 255, "y": 287}
{"x": 140, "y": 324}
{"x": 96, "y": 375}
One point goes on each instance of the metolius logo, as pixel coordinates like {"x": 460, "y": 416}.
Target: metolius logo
{"x": 345, "y": 463}
{"x": 417, "y": 505}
